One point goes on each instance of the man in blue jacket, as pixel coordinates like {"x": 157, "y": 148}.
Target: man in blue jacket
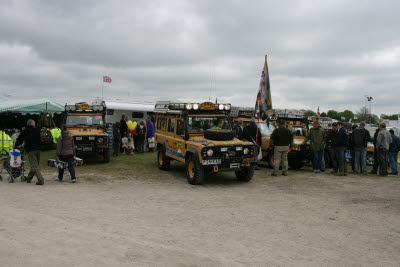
{"x": 150, "y": 131}
{"x": 341, "y": 144}
{"x": 394, "y": 148}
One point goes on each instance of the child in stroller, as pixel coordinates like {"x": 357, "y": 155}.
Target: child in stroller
{"x": 14, "y": 166}
{"x": 128, "y": 145}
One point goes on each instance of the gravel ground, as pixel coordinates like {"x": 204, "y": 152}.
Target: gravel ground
{"x": 157, "y": 218}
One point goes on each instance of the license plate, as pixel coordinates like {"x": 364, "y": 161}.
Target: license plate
{"x": 211, "y": 161}
{"x": 87, "y": 149}
{"x": 79, "y": 138}
{"x": 91, "y": 138}
{"x": 234, "y": 165}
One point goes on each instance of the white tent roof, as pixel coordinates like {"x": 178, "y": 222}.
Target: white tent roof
{"x": 148, "y": 107}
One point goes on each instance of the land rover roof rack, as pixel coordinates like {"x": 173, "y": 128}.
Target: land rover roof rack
{"x": 177, "y": 107}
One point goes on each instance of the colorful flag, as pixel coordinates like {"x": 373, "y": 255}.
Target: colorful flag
{"x": 106, "y": 79}
{"x": 319, "y": 114}
{"x": 264, "y": 102}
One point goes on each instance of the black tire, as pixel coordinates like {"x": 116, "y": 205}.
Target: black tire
{"x": 295, "y": 164}
{"x": 219, "y": 135}
{"x": 106, "y": 155}
{"x": 370, "y": 159}
{"x": 245, "y": 174}
{"x": 163, "y": 161}
{"x": 194, "y": 171}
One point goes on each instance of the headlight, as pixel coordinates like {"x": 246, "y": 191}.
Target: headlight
{"x": 239, "y": 148}
{"x": 221, "y": 107}
{"x": 227, "y": 107}
{"x": 246, "y": 151}
{"x": 189, "y": 106}
{"x": 195, "y": 106}
{"x": 100, "y": 140}
{"x": 224, "y": 149}
{"x": 210, "y": 152}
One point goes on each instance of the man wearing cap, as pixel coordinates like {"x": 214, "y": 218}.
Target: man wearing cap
{"x": 341, "y": 144}
{"x": 330, "y": 143}
{"x": 394, "y": 148}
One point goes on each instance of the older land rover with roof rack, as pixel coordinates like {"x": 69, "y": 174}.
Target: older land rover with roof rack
{"x": 266, "y": 129}
{"x": 297, "y": 123}
{"x": 87, "y": 125}
{"x": 200, "y": 135}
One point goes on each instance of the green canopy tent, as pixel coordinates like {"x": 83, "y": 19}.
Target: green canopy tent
{"x": 34, "y": 106}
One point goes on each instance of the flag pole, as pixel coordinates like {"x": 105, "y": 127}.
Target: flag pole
{"x": 102, "y": 90}
{"x": 261, "y": 91}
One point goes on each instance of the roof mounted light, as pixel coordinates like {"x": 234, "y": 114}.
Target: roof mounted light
{"x": 189, "y": 106}
{"x": 227, "y": 106}
{"x": 221, "y": 107}
{"x": 195, "y": 106}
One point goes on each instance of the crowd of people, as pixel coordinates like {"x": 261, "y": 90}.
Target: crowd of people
{"x": 130, "y": 136}
{"x": 337, "y": 142}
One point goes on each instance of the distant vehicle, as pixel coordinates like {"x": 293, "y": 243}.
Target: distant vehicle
{"x": 87, "y": 125}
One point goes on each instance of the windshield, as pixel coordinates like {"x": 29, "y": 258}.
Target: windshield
{"x": 298, "y": 131}
{"x": 205, "y": 123}
{"x": 84, "y": 120}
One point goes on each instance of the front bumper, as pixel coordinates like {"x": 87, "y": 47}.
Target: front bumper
{"x": 91, "y": 147}
{"x": 230, "y": 163}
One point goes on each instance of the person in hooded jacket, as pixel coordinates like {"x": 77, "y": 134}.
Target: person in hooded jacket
{"x": 66, "y": 152}
{"x": 33, "y": 144}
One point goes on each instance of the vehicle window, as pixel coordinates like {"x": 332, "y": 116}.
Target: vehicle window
{"x": 84, "y": 120}
{"x": 171, "y": 125}
{"x": 204, "y": 123}
{"x": 180, "y": 128}
{"x": 161, "y": 123}
{"x": 298, "y": 131}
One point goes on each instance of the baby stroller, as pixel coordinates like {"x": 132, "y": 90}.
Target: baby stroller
{"x": 14, "y": 166}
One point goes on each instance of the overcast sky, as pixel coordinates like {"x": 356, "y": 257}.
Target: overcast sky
{"x": 320, "y": 53}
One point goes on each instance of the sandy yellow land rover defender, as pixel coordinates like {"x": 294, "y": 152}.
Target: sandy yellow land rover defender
{"x": 87, "y": 125}
{"x": 201, "y": 136}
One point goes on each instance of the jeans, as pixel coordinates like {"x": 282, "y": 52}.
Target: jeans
{"x": 70, "y": 160}
{"x": 140, "y": 147}
{"x": 393, "y": 161}
{"x": 317, "y": 161}
{"x": 334, "y": 163}
{"x": 341, "y": 154}
{"x": 360, "y": 154}
{"x": 383, "y": 161}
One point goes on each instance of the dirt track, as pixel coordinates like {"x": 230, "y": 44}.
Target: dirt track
{"x": 302, "y": 219}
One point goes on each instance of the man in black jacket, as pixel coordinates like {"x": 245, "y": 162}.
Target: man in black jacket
{"x": 360, "y": 139}
{"x": 281, "y": 138}
{"x": 31, "y": 137}
{"x": 123, "y": 129}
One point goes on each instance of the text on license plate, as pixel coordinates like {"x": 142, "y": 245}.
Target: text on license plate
{"x": 211, "y": 161}
{"x": 87, "y": 149}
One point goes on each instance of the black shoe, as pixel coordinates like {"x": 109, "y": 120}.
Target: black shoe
{"x": 39, "y": 183}
{"x": 73, "y": 181}
{"x": 373, "y": 172}
{"x": 28, "y": 180}
{"x": 393, "y": 173}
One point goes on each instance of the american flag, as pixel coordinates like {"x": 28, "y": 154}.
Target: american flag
{"x": 106, "y": 79}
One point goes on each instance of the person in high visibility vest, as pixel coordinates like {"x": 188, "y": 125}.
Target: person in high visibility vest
{"x": 55, "y": 132}
{"x": 6, "y": 143}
